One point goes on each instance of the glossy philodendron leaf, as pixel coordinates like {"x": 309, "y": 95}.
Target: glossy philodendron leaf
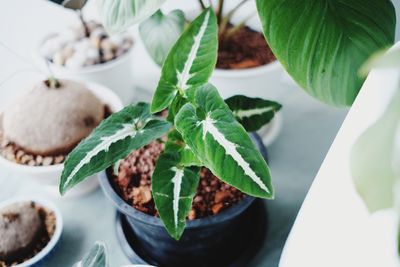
{"x": 209, "y": 128}
{"x": 124, "y": 131}
{"x": 252, "y": 113}
{"x": 160, "y": 32}
{"x": 374, "y": 159}
{"x": 96, "y": 257}
{"x": 190, "y": 62}
{"x": 118, "y": 15}
{"x": 323, "y": 43}
{"x": 174, "y": 187}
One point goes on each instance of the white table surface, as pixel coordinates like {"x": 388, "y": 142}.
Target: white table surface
{"x": 308, "y": 130}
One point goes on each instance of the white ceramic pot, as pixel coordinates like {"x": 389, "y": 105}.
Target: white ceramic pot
{"x": 115, "y": 74}
{"x": 48, "y": 249}
{"x": 49, "y": 176}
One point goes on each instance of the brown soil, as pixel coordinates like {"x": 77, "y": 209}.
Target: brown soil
{"x": 16, "y": 154}
{"x": 244, "y": 49}
{"x": 49, "y": 221}
{"x": 133, "y": 184}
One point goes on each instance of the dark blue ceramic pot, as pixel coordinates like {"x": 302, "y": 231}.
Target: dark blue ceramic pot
{"x": 204, "y": 241}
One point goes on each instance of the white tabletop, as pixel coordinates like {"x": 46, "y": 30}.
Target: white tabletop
{"x": 308, "y": 130}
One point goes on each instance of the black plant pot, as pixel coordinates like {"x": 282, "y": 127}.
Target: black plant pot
{"x": 211, "y": 241}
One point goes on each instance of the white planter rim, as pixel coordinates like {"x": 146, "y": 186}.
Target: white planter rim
{"x": 105, "y": 94}
{"x": 249, "y": 72}
{"x": 87, "y": 69}
{"x": 56, "y": 236}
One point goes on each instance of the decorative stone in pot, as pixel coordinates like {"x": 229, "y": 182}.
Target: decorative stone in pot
{"x": 221, "y": 230}
{"x": 87, "y": 53}
{"x": 43, "y": 125}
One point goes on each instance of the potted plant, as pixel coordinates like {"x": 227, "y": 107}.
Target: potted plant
{"x": 86, "y": 52}
{"x": 202, "y": 131}
{"x": 245, "y": 62}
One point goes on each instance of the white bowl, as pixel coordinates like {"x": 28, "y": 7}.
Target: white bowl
{"x": 38, "y": 258}
{"x": 115, "y": 74}
{"x": 49, "y": 176}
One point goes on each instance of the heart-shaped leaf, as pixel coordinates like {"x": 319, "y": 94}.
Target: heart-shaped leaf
{"x": 96, "y": 257}
{"x": 160, "y": 32}
{"x": 221, "y": 143}
{"x": 374, "y": 159}
{"x": 118, "y": 15}
{"x": 190, "y": 62}
{"x": 323, "y": 43}
{"x": 252, "y": 113}
{"x": 124, "y": 131}
{"x": 174, "y": 187}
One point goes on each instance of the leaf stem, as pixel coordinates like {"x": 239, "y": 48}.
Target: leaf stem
{"x": 220, "y": 10}
{"x": 226, "y": 19}
{"x": 230, "y": 32}
{"x": 203, "y": 6}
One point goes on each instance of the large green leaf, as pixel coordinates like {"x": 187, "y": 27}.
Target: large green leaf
{"x": 375, "y": 160}
{"x": 190, "y": 62}
{"x": 252, "y": 113}
{"x": 160, "y": 32}
{"x": 96, "y": 257}
{"x": 382, "y": 60}
{"x": 323, "y": 43}
{"x": 221, "y": 143}
{"x": 118, "y": 15}
{"x": 174, "y": 187}
{"x": 124, "y": 131}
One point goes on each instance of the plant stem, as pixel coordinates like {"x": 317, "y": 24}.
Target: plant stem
{"x": 230, "y": 32}
{"x": 226, "y": 19}
{"x": 220, "y": 10}
{"x": 203, "y": 6}
{"x": 85, "y": 27}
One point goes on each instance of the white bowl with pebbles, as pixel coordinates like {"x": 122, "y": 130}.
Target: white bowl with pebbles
{"x": 91, "y": 55}
{"x": 37, "y": 164}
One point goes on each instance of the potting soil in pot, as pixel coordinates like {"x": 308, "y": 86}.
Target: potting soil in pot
{"x": 246, "y": 48}
{"x": 133, "y": 184}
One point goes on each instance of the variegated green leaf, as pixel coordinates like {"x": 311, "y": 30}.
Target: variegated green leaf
{"x": 174, "y": 187}
{"x": 190, "y": 62}
{"x": 323, "y": 43}
{"x": 252, "y": 113}
{"x": 175, "y": 143}
{"x": 209, "y": 128}
{"x": 96, "y": 257}
{"x": 160, "y": 32}
{"x": 112, "y": 140}
{"x": 374, "y": 159}
{"x": 118, "y": 15}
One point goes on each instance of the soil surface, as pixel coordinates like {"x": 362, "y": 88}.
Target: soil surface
{"x": 133, "y": 184}
{"x": 49, "y": 221}
{"x": 244, "y": 49}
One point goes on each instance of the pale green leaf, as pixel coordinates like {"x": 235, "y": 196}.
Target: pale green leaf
{"x": 124, "y": 131}
{"x": 382, "y": 60}
{"x": 323, "y": 43}
{"x": 173, "y": 188}
{"x": 190, "y": 62}
{"x": 160, "y": 32}
{"x": 252, "y": 113}
{"x": 373, "y": 166}
{"x": 118, "y": 15}
{"x": 209, "y": 128}
{"x": 96, "y": 257}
